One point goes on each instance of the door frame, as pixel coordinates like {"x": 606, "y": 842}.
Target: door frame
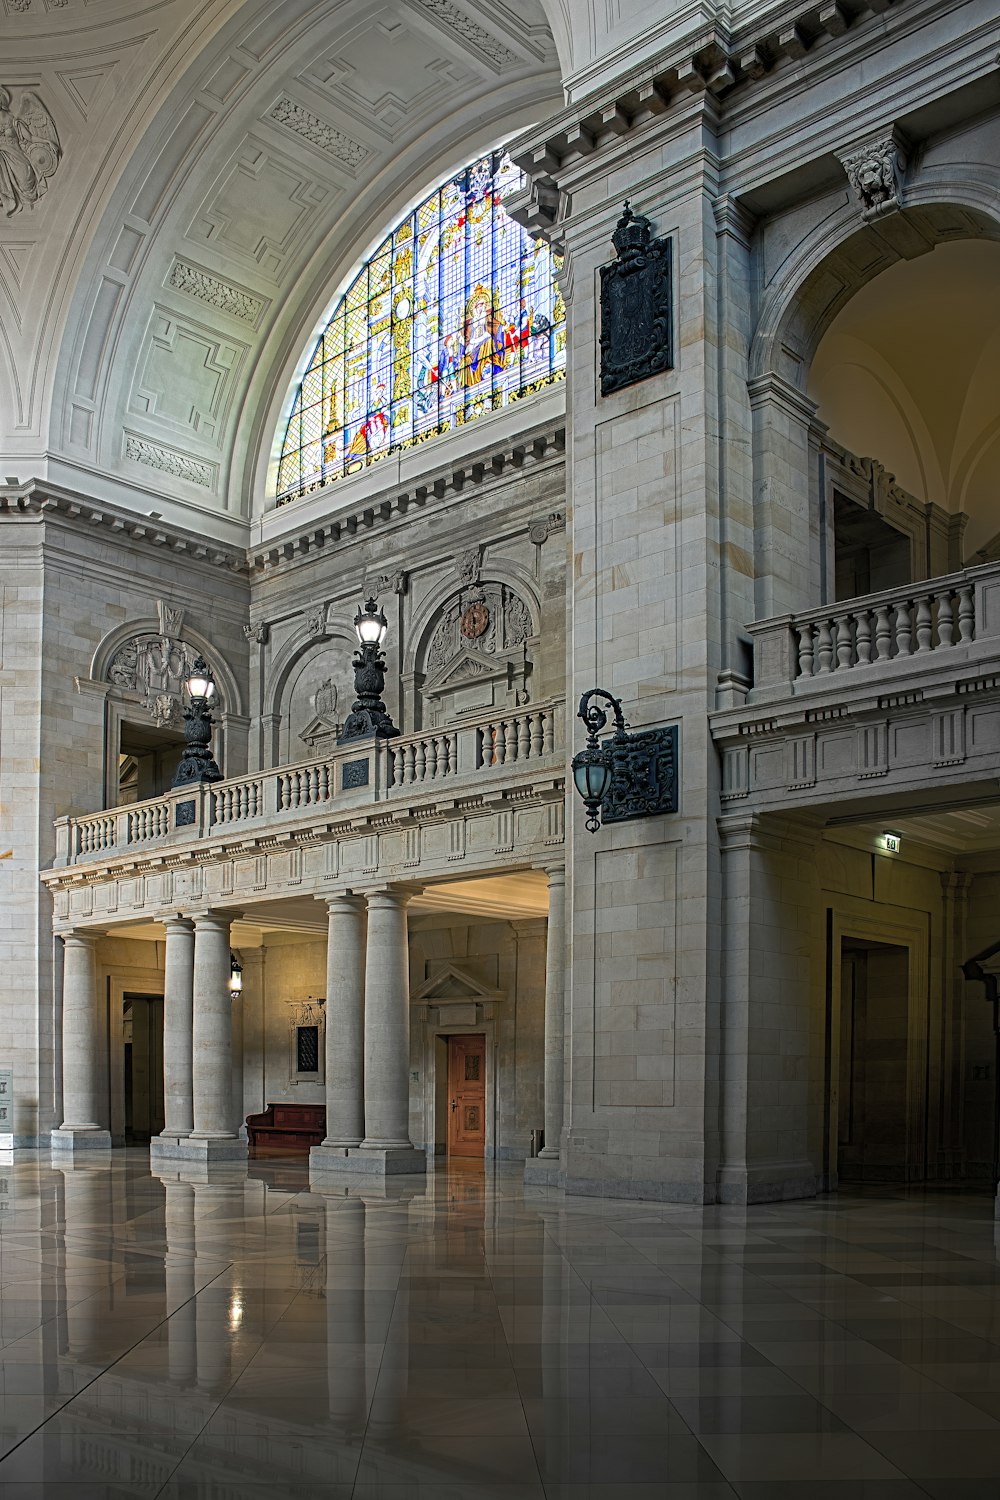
{"x": 435, "y": 1059}
{"x": 118, "y": 984}
{"x": 901, "y": 927}
{"x": 453, "y": 1037}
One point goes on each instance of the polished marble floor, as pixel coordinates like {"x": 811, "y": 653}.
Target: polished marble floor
{"x": 234, "y": 1336}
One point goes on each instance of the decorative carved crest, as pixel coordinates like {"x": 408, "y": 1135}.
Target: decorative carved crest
{"x": 29, "y": 150}
{"x": 325, "y": 700}
{"x": 156, "y": 667}
{"x": 468, "y": 564}
{"x": 636, "y": 306}
{"x": 875, "y": 173}
{"x": 316, "y": 620}
{"x": 171, "y": 620}
{"x": 257, "y": 631}
{"x": 388, "y": 583}
{"x": 165, "y": 710}
{"x": 474, "y": 622}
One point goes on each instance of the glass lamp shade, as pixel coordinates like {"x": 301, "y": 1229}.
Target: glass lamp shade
{"x": 370, "y": 624}
{"x": 592, "y": 777}
{"x": 200, "y": 682}
{"x": 235, "y": 975}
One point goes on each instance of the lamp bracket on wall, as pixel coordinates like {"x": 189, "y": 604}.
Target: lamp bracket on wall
{"x": 628, "y": 775}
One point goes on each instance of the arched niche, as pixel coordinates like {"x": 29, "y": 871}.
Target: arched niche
{"x": 311, "y": 694}
{"x": 473, "y": 653}
{"x": 795, "y": 452}
{"x": 140, "y": 667}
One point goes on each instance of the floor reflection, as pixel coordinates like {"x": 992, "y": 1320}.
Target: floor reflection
{"x": 227, "y": 1332}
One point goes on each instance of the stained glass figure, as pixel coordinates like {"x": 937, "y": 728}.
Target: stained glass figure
{"x": 456, "y": 314}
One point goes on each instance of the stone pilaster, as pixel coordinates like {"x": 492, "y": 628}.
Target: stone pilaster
{"x": 178, "y": 1010}
{"x": 544, "y": 1168}
{"x": 345, "y": 1035}
{"x": 84, "y": 1127}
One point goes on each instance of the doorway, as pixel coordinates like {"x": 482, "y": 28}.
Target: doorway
{"x": 467, "y": 1095}
{"x": 142, "y": 1037}
{"x": 873, "y": 1095}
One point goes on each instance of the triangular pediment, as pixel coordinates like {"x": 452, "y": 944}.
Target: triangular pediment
{"x": 317, "y": 729}
{"x": 467, "y": 666}
{"x": 453, "y": 983}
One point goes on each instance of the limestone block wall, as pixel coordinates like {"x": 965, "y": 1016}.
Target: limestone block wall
{"x": 495, "y": 538}
{"x": 979, "y": 1080}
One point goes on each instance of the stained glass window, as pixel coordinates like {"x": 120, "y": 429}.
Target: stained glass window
{"x": 456, "y": 314}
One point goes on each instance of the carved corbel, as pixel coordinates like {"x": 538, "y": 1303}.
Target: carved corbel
{"x": 875, "y": 172}
{"x": 257, "y": 632}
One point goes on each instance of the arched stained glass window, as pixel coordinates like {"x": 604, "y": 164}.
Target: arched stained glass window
{"x": 456, "y": 314}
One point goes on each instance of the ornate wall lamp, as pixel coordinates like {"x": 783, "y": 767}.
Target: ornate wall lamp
{"x": 198, "y": 763}
{"x": 369, "y": 716}
{"x": 235, "y": 974}
{"x": 630, "y": 775}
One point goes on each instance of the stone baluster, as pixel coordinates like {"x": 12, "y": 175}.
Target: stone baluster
{"x": 904, "y": 629}
{"x": 946, "y": 619}
{"x": 883, "y": 633}
{"x": 825, "y": 647}
{"x": 805, "y": 649}
{"x": 863, "y": 640}
{"x": 925, "y": 624}
{"x": 966, "y": 615}
{"x": 845, "y": 643}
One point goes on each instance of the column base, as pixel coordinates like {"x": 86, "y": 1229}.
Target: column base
{"x": 355, "y": 1161}
{"x": 542, "y": 1171}
{"x": 192, "y": 1148}
{"x": 769, "y": 1182}
{"x": 73, "y": 1141}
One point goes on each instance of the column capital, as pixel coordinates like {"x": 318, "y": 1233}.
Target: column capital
{"x": 400, "y": 894}
{"x": 175, "y": 921}
{"x": 87, "y": 935}
{"x": 213, "y": 916}
{"x": 555, "y": 870}
{"x": 344, "y": 903}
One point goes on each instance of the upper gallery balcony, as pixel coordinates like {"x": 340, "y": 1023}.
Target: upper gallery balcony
{"x": 432, "y": 775}
{"x": 901, "y": 687}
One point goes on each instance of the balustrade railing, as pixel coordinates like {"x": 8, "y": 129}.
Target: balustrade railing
{"x": 898, "y": 629}
{"x": 361, "y": 771}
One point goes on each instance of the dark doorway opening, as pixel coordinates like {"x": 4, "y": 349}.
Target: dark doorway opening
{"x": 869, "y": 554}
{"x": 873, "y": 1117}
{"x": 147, "y": 760}
{"x": 142, "y": 1031}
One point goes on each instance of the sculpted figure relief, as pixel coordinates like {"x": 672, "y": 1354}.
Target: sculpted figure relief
{"x": 29, "y": 150}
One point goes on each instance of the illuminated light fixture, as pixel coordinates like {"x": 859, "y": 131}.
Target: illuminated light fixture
{"x": 892, "y": 843}
{"x": 198, "y": 764}
{"x": 235, "y": 974}
{"x": 369, "y": 717}
{"x": 629, "y": 775}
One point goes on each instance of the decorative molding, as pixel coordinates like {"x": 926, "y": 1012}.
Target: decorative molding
{"x": 468, "y": 564}
{"x": 470, "y": 32}
{"x": 257, "y": 632}
{"x": 32, "y": 131}
{"x": 875, "y": 172}
{"x": 168, "y": 461}
{"x": 184, "y": 277}
{"x": 539, "y": 531}
{"x": 319, "y": 133}
{"x": 171, "y": 620}
{"x": 395, "y": 582}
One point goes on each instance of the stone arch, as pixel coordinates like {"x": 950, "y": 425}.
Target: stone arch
{"x": 812, "y": 287}
{"x": 468, "y": 650}
{"x": 230, "y": 697}
{"x": 288, "y": 696}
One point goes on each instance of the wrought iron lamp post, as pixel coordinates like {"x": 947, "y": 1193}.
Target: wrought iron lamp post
{"x": 198, "y": 764}
{"x": 369, "y": 716}
{"x": 630, "y": 775}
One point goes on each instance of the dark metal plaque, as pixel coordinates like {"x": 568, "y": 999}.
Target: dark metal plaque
{"x": 636, "y": 306}
{"x": 185, "y": 813}
{"x": 643, "y": 776}
{"x": 354, "y": 773}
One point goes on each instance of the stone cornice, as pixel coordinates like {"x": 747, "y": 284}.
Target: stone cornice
{"x": 43, "y": 502}
{"x": 713, "y": 60}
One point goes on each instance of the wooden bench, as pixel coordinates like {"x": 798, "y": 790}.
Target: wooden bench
{"x": 286, "y": 1129}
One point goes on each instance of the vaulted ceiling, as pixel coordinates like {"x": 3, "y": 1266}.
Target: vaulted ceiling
{"x": 223, "y": 167}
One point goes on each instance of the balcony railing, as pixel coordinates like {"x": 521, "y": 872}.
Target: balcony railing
{"x": 350, "y": 777}
{"x": 933, "y": 625}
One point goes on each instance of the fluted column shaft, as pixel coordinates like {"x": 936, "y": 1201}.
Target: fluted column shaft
{"x": 178, "y": 1020}
{"x": 555, "y": 1010}
{"x": 82, "y": 1034}
{"x": 387, "y": 1023}
{"x": 212, "y": 1068}
{"x": 345, "y": 1027}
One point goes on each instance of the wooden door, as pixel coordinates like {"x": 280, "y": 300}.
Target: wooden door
{"x": 466, "y": 1095}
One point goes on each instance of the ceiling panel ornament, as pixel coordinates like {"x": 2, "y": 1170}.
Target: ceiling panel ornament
{"x": 168, "y": 461}
{"x": 470, "y": 31}
{"x": 29, "y": 150}
{"x": 319, "y": 133}
{"x": 204, "y": 287}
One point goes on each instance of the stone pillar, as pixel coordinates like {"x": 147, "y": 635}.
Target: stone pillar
{"x": 555, "y": 1006}
{"x": 213, "y": 1137}
{"x": 83, "y": 1042}
{"x": 387, "y": 1024}
{"x": 178, "y": 1014}
{"x": 345, "y": 1036}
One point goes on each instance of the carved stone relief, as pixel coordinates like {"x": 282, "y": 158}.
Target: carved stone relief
{"x": 462, "y": 24}
{"x": 480, "y": 638}
{"x": 875, "y": 173}
{"x": 314, "y": 700}
{"x": 155, "y": 667}
{"x": 29, "y": 150}
{"x": 319, "y": 133}
{"x": 184, "y": 277}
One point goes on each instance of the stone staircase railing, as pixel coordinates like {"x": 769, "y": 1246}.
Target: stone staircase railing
{"x": 930, "y": 624}
{"x": 351, "y": 777}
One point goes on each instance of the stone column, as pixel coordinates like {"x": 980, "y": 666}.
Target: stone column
{"x": 387, "y": 1034}
{"x": 83, "y": 1042}
{"x": 213, "y": 1137}
{"x": 345, "y": 1038}
{"x": 178, "y": 1013}
{"x": 555, "y": 1008}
